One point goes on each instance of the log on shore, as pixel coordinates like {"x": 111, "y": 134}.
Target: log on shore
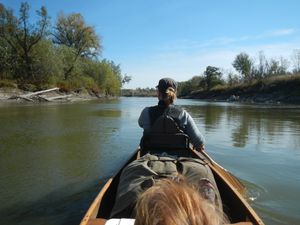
{"x": 21, "y": 97}
{"x": 37, "y": 96}
{"x": 39, "y": 92}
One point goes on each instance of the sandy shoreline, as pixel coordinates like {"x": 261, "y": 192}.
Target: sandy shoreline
{"x": 14, "y": 95}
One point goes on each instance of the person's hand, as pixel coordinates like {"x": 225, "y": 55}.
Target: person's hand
{"x": 200, "y": 148}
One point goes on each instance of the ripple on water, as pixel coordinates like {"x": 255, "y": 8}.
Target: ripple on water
{"x": 254, "y": 191}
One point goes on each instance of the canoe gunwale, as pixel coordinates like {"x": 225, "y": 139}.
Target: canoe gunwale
{"x": 101, "y": 206}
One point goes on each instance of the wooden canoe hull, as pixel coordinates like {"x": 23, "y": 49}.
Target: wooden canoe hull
{"x": 231, "y": 190}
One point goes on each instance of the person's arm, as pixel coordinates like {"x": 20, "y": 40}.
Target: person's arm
{"x": 193, "y": 132}
{"x": 144, "y": 119}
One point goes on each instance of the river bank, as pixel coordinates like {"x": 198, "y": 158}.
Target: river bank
{"x": 259, "y": 98}
{"x": 8, "y": 94}
{"x": 273, "y": 90}
{"x": 279, "y": 91}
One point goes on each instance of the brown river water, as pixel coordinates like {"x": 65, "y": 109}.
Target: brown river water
{"x": 54, "y": 158}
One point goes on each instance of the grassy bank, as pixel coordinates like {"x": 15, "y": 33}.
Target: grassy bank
{"x": 280, "y": 89}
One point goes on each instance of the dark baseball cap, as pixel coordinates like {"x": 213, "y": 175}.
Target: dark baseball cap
{"x": 165, "y": 83}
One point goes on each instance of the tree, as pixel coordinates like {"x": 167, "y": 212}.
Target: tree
{"x": 71, "y": 68}
{"x": 46, "y": 63}
{"x": 73, "y": 32}
{"x": 107, "y": 78}
{"x": 296, "y": 60}
{"x": 126, "y": 79}
{"x": 277, "y": 67}
{"x": 232, "y": 79}
{"x": 5, "y": 60}
{"x": 116, "y": 68}
{"x": 244, "y": 65}
{"x": 263, "y": 66}
{"x": 185, "y": 88}
{"x": 22, "y": 36}
{"x": 212, "y": 77}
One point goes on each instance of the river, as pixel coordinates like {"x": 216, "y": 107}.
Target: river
{"x": 54, "y": 158}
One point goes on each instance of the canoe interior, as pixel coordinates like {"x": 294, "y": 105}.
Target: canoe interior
{"x": 109, "y": 197}
{"x": 234, "y": 205}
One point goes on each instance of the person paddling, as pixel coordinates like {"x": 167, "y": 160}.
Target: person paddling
{"x": 166, "y": 93}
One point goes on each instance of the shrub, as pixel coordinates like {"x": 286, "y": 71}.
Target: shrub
{"x": 27, "y": 87}
{"x": 8, "y": 83}
{"x": 78, "y": 83}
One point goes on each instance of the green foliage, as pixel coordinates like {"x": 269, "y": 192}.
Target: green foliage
{"x": 268, "y": 68}
{"x": 77, "y": 84}
{"x": 277, "y": 67}
{"x": 72, "y": 32}
{"x": 186, "y": 87}
{"x": 244, "y": 65}
{"x": 27, "y": 87}
{"x": 5, "y": 60}
{"x": 109, "y": 78}
{"x": 90, "y": 85}
{"x": 212, "y": 77}
{"x": 70, "y": 65}
{"x": 141, "y": 92}
{"x": 233, "y": 79}
{"x": 265, "y": 68}
{"x": 68, "y": 60}
{"x": 251, "y": 76}
{"x": 8, "y": 83}
{"x": 22, "y": 36}
{"x": 46, "y": 66}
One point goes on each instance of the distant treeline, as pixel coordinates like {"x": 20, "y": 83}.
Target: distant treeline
{"x": 266, "y": 71}
{"x": 37, "y": 55}
{"x": 268, "y": 79}
{"x": 140, "y": 92}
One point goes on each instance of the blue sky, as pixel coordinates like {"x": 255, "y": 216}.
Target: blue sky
{"x": 151, "y": 39}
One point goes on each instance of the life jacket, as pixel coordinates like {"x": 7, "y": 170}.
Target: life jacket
{"x": 173, "y": 111}
{"x": 165, "y": 132}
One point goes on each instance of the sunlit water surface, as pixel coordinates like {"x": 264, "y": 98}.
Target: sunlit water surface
{"x": 54, "y": 158}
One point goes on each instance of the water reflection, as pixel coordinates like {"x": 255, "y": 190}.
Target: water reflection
{"x": 107, "y": 113}
{"x": 52, "y": 156}
{"x": 261, "y": 145}
{"x": 45, "y": 147}
{"x": 245, "y": 122}
{"x": 53, "y": 208}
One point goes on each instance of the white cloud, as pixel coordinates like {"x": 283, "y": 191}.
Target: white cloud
{"x": 283, "y": 32}
{"x": 178, "y": 45}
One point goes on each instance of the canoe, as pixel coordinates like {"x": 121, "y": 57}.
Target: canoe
{"x": 232, "y": 193}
